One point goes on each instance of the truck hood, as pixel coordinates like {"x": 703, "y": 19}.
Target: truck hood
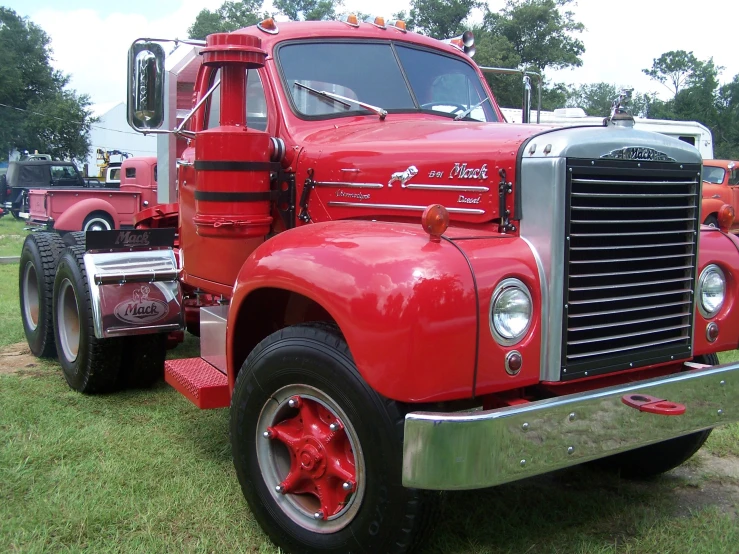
{"x": 367, "y": 167}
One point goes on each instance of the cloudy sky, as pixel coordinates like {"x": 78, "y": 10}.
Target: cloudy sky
{"x": 90, "y": 38}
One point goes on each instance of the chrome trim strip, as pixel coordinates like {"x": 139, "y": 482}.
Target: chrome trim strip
{"x": 628, "y": 335}
{"x": 627, "y": 348}
{"x": 629, "y": 247}
{"x": 544, "y": 291}
{"x": 543, "y": 185}
{"x": 339, "y": 184}
{"x": 632, "y": 221}
{"x": 451, "y": 188}
{"x": 403, "y": 207}
{"x": 620, "y": 260}
{"x": 469, "y": 450}
{"x": 615, "y": 182}
{"x": 630, "y": 297}
{"x": 637, "y": 309}
{"x": 628, "y": 322}
{"x": 629, "y": 285}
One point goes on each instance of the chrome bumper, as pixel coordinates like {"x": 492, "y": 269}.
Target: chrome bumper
{"x": 468, "y": 450}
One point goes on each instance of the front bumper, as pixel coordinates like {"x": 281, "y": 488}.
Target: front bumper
{"x": 469, "y": 450}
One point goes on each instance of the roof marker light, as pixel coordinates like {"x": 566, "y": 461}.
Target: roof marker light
{"x": 268, "y": 26}
{"x": 350, "y": 19}
{"x": 378, "y": 21}
{"x": 400, "y": 25}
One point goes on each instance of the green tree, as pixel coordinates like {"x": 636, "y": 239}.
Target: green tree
{"x": 33, "y": 94}
{"x": 229, "y": 17}
{"x": 726, "y": 130}
{"x": 308, "y": 10}
{"x": 674, "y": 69}
{"x": 540, "y": 32}
{"x": 533, "y": 35}
{"x": 440, "y": 19}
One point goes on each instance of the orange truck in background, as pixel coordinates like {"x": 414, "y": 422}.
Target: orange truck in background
{"x": 720, "y": 187}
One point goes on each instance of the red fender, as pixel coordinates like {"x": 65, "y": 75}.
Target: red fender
{"x": 73, "y": 217}
{"x": 406, "y": 305}
{"x": 722, "y": 250}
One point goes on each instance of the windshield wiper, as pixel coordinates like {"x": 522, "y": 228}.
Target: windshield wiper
{"x": 469, "y": 110}
{"x": 343, "y": 100}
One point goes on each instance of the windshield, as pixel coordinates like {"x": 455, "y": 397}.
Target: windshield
{"x": 393, "y": 77}
{"x": 713, "y": 175}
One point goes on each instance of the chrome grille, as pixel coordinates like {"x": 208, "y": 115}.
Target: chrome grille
{"x": 630, "y": 260}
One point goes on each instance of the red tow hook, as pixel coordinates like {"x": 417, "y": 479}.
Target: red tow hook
{"x": 652, "y": 405}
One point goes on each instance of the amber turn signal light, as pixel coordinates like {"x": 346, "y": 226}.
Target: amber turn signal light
{"x": 726, "y": 217}
{"x": 435, "y": 220}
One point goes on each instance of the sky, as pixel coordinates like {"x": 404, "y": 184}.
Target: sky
{"x": 90, "y": 39}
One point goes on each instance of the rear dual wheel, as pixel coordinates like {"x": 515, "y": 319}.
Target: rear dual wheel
{"x": 318, "y": 452}
{"x": 92, "y": 365}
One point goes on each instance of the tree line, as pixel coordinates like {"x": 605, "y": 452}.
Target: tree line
{"x": 38, "y": 111}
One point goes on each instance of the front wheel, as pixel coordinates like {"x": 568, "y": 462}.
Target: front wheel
{"x": 649, "y": 461}
{"x": 318, "y": 452}
{"x": 711, "y": 221}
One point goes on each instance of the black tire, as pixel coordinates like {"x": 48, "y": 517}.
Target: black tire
{"x": 655, "y": 459}
{"x": 74, "y": 238}
{"x": 389, "y": 517}
{"x": 38, "y": 260}
{"x": 98, "y": 221}
{"x": 16, "y": 214}
{"x": 143, "y": 360}
{"x": 90, "y": 365}
{"x": 711, "y": 221}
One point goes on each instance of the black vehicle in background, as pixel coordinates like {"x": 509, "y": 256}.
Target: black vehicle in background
{"x": 35, "y": 174}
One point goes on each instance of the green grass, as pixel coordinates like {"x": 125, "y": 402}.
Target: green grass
{"x": 147, "y": 472}
{"x": 11, "y": 236}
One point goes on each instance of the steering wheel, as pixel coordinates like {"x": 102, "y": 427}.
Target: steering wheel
{"x": 457, "y": 107}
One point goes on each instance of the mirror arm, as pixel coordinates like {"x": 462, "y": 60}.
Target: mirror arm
{"x": 179, "y": 129}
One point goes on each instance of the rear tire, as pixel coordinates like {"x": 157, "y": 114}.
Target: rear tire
{"x": 313, "y": 362}
{"x": 655, "y": 459}
{"x": 90, "y": 365}
{"x": 38, "y": 261}
{"x": 74, "y": 238}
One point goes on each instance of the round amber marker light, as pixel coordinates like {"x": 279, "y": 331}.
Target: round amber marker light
{"x": 435, "y": 220}
{"x": 726, "y": 217}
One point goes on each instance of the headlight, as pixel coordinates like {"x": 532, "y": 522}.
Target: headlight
{"x": 711, "y": 290}
{"x": 510, "y": 311}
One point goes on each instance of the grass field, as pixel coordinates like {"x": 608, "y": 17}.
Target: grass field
{"x": 147, "y": 472}
{"x": 11, "y": 236}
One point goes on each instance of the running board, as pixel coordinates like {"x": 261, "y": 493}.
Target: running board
{"x": 198, "y": 381}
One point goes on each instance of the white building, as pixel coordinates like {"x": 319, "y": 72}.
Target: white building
{"x": 111, "y": 132}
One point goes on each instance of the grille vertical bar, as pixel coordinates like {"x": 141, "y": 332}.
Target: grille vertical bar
{"x": 630, "y": 263}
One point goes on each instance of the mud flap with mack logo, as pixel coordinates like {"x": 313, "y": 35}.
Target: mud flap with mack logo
{"x": 133, "y": 280}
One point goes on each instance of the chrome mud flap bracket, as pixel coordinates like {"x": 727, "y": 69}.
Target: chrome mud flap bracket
{"x": 468, "y": 450}
{"x": 134, "y": 293}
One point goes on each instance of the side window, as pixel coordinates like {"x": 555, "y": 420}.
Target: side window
{"x": 256, "y": 103}
{"x": 130, "y": 172}
{"x": 734, "y": 177}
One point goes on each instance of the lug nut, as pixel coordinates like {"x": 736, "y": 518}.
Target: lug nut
{"x": 348, "y": 486}
{"x": 267, "y": 434}
{"x": 334, "y": 427}
{"x": 294, "y": 402}
{"x": 280, "y": 489}
{"x": 318, "y": 515}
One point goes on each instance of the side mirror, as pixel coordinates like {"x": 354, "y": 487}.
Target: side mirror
{"x": 145, "y": 86}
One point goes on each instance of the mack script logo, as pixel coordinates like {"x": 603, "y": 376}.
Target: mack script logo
{"x": 127, "y": 238}
{"x": 141, "y": 309}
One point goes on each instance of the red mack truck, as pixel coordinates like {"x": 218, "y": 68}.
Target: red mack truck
{"x": 398, "y": 293}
